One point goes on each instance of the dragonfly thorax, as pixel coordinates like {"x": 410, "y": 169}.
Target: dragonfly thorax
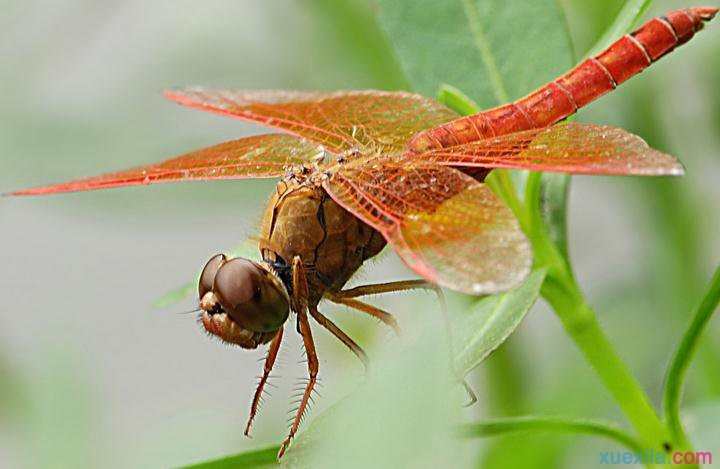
{"x": 302, "y": 220}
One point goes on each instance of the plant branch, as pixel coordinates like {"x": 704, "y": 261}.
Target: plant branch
{"x": 684, "y": 354}
{"x": 500, "y": 182}
{"x": 581, "y": 324}
{"x": 552, "y": 424}
{"x": 580, "y": 321}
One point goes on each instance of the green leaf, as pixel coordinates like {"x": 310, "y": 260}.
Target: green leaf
{"x": 247, "y": 249}
{"x": 402, "y": 415}
{"x": 349, "y": 27}
{"x": 552, "y": 424}
{"x": 456, "y": 100}
{"x": 376, "y": 425}
{"x": 628, "y": 17}
{"x": 489, "y": 322}
{"x": 493, "y": 50}
{"x": 553, "y": 208}
{"x": 684, "y": 354}
{"x": 259, "y": 458}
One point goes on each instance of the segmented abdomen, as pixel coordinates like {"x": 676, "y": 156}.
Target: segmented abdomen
{"x": 586, "y": 82}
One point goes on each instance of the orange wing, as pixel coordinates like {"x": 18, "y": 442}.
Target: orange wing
{"x": 446, "y": 226}
{"x": 341, "y": 121}
{"x": 568, "y": 148}
{"x": 260, "y": 156}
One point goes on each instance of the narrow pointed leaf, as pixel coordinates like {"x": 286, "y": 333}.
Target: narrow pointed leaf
{"x": 259, "y": 458}
{"x": 684, "y": 354}
{"x": 456, "y": 100}
{"x": 491, "y": 321}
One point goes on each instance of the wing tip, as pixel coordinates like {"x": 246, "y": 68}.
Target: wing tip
{"x": 176, "y": 94}
{"x": 45, "y": 190}
{"x": 677, "y": 170}
{"x": 184, "y": 94}
{"x": 667, "y": 165}
{"x": 25, "y": 192}
{"x": 495, "y": 286}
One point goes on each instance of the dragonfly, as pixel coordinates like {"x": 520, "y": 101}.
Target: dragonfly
{"x": 361, "y": 169}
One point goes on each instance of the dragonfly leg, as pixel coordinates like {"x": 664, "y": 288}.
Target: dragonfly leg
{"x": 377, "y": 288}
{"x": 269, "y": 362}
{"x": 449, "y": 337}
{"x": 346, "y": 297}
{"x": 337, "y": 332}
{"x": 300, "y": 302}
{"x": 312, "y": 361}
{"x": 384, "y": 316}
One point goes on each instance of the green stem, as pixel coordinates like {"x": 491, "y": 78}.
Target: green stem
{"x": 552, "y": 424}
{"x": 580, "y": 321}
{"x": 683, "y": 355}
{"x": 581, "y": 324}
{"x": 500, "y": 182}
{"x": 533, "y": 187}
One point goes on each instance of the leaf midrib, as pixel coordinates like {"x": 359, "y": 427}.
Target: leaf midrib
{"x": 496, "y": 81}
{"x": 485, "y": 327}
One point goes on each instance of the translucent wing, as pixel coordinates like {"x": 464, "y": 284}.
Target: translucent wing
{"x": 445, "y": 225}
{"x": 260, "y": 156}
{"x": 569, "y": 148}
{"x": 341, "y": 121}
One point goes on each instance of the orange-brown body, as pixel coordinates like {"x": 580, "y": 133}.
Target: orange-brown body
{"x": 303, "y": 220}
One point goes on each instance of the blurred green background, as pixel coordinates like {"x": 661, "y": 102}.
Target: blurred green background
{"x": 91, "y": 375}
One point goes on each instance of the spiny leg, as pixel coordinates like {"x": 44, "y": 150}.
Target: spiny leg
{"x": 313, "y": 366}
{"x": 300, "y": 300}
{"x": 269, "y": 362}
{"x": 337, "y": 332}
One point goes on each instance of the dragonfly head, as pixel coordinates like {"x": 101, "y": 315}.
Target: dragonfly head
{"x": 242, "y": 302}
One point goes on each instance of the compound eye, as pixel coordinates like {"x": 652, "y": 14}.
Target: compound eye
{"x": 249, "y": 296}
{"x": 207, "y": 277}
{"x": 237, "y": 283}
